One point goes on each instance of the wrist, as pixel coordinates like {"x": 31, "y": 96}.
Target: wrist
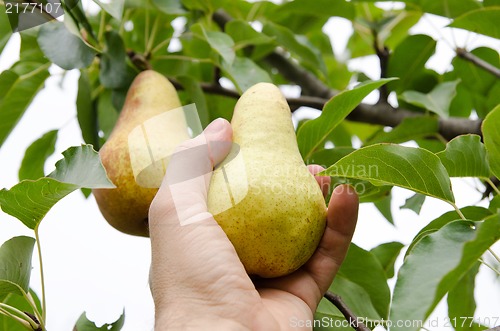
{"x": 193, "y": 320}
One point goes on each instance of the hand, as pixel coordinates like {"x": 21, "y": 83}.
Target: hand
{"x": 197, "y": 280}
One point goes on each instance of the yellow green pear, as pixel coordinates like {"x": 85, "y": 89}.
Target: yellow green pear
{"x": 264, "y": 198}
{"x": 135, "y": 156}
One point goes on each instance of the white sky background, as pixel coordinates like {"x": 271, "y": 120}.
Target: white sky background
{"x": 91, "y": 267}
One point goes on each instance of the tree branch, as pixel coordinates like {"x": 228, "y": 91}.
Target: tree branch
{"x": 348, "y": 314}
{"x": 461, "y": 52}
{"x": 381, "y": 114}
{"x": 496, "y": 328}
{"x": 383, "y": 56}
{"x": 309, "y": 83}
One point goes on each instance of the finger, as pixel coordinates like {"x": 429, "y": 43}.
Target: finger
{"x": 341, "y": 223}
{"x": 323, "y": 181}
{"x": 184, "y": 189}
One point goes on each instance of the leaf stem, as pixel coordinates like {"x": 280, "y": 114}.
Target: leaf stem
{"x": 42, "y": 280}
{"x": 146, "y": 30}
{"x": 152, "y": 37}
{"x": 490, "y": 182}
{"x": 123, "y": 21}
{"x": 489, "y": 266}
{"x": 494, "y": 255}
{"x": 102, "y": 23}
{"x": 19, "y": 316}
{"x": 160, "y": 45}
{"x": 480, "y": 63}
{"x": 441, "y": 138}
{"x": 459, "y": 212}
{"x": 34, "y": 72}
{"x": 32, "y": 303}
{"x": 182, "y": 58}
{"x": 346, "y": 311}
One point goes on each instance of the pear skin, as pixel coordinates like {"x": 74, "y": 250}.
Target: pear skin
{"x": 266, "y": 201}
{"x": 126, "y": 206}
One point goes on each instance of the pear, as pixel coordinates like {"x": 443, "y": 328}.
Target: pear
{"x": 136, "y": 153}
{"x": 264, "y": 198}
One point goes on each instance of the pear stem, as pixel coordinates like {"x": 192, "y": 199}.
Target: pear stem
{"x": 353, "y": 320}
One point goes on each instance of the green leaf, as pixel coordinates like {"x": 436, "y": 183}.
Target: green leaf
{"x": 314, "y": 132}
{"x": 366, "y": 191}
{"x": 244, "y": 35}
{"x": 414, "y": 203}
{"x": 30, "y": 50}
{"x": 396, "y": 30}
{"x": 436, "y": 264}
{"x": 471, "y": 213}
{"x": 114, "y": 7}
{"x": 5, "y": 29}
{"x": 491, "y": 136}
{"x": 7, "y": 323}
{"x": 409, "y": 129}
{"x": 447, "y": 8}
{"x": 387, "y": 253}
{"x": 384, "y": 207}
{"x": 15, "y": 263}
{"x": 354, "y": 296}
{"x": 115, "y": 73}
{"x": 84, "y": 324}
{"x": 494, "y": 205}
{"x": 107, "y": 115}
{"x": 76, "y": 13}
{"x": 29, "y": 201}
{"x": 170, "y": 6}
{"x": 465, "y": 156}
{"x": 245, "y": 73}
{"x": 438, "y": 100}
{"x": 297, "y": 45}
{"x": 196, "y": 96}
{"x": 7, "y": 287}
{"x": 64, "y": 48}
{"x": 85, "y": 110}
{"x": 488, "y": 3}
{"x": 220, "y": 42}
{"x": 416, "y": 169}
{"x": 327, "y": 157}
{"x": 476, "y": 79}
{"x": 408, "y": 60}
{"x": 81, "y": 166}
{"x": 318, "y": 8}
{"x": 374, "y": 282}
{"x": 16, "y": 93}
{"x": 32, "y": 166}
{"x": 483, "y": 21}
{"x": 461, "y": 301}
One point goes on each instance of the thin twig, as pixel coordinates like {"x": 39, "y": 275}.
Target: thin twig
{"x": 461, "y": 52}
{"x": 348, "y": 314}
{"x": 382, "y": 113}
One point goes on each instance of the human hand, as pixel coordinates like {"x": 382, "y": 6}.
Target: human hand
{"x": 197, "y": 280}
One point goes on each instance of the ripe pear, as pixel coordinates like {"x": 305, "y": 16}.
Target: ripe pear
{"x": 264, "y": 198}
{"x": 135, "y": 155}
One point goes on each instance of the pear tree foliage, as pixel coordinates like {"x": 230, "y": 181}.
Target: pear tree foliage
{"x": 423, "y": 128}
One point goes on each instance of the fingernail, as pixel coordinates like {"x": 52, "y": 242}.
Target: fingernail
{"x": 216, "y": 126}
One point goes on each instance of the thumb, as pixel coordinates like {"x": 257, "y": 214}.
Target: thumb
{"x": 182, "y": 196}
